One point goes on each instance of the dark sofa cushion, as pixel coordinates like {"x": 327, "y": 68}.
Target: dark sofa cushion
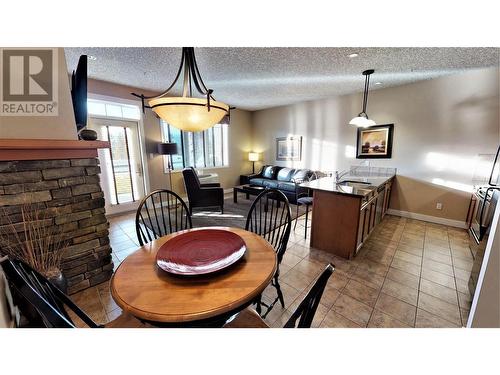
{"x": 271, "y": 184}
{"x": 287, "y": 186}
{"x": 302, "y": 174}
{"x": 257, "y": 181}
{"x": 285, "y": 174}
{"x": 268, "y": 171}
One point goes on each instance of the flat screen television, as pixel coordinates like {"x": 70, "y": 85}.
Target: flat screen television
{"x": 79, "y": 92}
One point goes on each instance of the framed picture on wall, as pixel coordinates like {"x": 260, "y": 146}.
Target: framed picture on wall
{"x": 289, "y": 148}
{"x": 375, "y": 142}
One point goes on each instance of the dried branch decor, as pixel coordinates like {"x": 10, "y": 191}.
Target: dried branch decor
{"x": 34, "y": 240}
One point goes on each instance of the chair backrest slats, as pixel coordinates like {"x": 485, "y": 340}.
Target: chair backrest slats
{"x": 48, "y": 303}
{"x": 270, "y": 217}
{"x": 154, "y": 216}
{"x": 307, "y": 308}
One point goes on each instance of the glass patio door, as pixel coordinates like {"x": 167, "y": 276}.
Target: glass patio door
{"x": 121, "y": 166}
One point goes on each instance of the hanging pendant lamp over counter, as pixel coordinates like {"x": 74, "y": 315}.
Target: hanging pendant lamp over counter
{"x": 186, "y": 112}
{"x": 362, "y": 120}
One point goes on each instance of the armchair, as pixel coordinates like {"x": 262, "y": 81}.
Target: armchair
{"x": 201, "y": 195}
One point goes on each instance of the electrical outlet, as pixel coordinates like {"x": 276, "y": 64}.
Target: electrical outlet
{"x": 439, "y": 206}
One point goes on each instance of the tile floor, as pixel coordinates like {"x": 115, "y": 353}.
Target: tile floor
{"x": 410, "y": 273}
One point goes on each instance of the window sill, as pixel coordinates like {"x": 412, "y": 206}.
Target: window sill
{"x": 203, "y": 169}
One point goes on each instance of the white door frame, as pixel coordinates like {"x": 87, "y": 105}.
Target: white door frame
{"x": 142, "y": 141}
{"x": 142, "y": 134}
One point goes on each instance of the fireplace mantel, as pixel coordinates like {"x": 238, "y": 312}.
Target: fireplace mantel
{"x": 48, "y": 149}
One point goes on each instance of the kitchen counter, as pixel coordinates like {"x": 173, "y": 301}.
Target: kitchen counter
{"x": 346, "y": 213}
{"x": 351, "y": 185}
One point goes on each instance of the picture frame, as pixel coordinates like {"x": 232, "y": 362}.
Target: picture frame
{"x": 289, "y": 148}
{"x": 375, "y": 142}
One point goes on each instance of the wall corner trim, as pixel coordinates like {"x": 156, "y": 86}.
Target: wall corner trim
{"x": 430, "y": 219}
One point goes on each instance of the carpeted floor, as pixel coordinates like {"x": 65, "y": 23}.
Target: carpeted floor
{"x": 235, "y": 214}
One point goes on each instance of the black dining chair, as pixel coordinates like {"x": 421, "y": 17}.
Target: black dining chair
{"x": 303, "y": 198}
{"x": 42, "y": 305}
{"x": 303, "y": 315}
{"x": 271, "y": 218}
{"x": 160, "y": 213}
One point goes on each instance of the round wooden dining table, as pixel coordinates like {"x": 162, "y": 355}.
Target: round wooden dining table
{"x": 144, "y": 290}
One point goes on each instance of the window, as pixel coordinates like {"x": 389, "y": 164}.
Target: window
{"x": 206, "y": 149}
{"x": 102, "y": 108}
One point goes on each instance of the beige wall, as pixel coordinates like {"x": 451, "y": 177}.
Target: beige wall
{"x": 240, "y": 139}
{"x": 441, "y": 125}
{"x": 45, "y": 127}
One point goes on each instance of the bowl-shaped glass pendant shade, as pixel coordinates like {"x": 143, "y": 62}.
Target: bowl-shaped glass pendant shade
{"x": 189, "y": 114}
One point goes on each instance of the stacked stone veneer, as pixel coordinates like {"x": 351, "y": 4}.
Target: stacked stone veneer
{"x": 70, "y": 194}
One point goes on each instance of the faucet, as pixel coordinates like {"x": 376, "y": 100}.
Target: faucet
{"x": 338, "y": 176}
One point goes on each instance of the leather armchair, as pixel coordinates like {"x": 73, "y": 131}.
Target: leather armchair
{"x": 201, "y": 195}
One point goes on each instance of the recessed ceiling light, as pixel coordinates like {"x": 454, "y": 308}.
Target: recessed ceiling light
{"x": 92, "y": 57}
{"x": 378, "y": 83}
{"x": 352, "y": 55}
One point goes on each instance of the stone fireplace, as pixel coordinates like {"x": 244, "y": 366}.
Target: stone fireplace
{"x": 62, "y": 178}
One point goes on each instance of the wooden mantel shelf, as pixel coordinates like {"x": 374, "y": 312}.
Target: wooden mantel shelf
{"x": 48, "y": 149}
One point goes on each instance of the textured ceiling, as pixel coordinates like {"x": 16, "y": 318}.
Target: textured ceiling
{"x": 257, "y": 78}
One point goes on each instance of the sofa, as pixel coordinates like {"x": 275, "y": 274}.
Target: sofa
{"x": 283, "y": 179}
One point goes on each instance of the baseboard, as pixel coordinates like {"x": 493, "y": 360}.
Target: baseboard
{"x": 430, "y": 219}
{"x": 228, "y": 191}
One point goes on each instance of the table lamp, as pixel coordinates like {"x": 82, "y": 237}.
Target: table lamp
{"x": 253, "y": 157}
{"x": 168, "y": 148}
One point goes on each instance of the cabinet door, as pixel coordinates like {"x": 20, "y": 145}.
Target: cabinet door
{"x": 361, "y": 227}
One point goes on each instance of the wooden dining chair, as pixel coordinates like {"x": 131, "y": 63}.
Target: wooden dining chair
{"x": 160, "y": 213}
{"x": 42, "y": 305}
{"x": 302, "y": 317}
{"x": 270, "y": 217}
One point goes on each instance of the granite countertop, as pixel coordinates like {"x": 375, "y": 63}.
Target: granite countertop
{"x": 351, "y": 185}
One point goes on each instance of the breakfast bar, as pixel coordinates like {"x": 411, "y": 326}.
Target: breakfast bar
{"x": 346, "y": 212}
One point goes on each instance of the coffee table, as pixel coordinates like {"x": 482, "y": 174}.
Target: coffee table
{"x": 248, "y": 190}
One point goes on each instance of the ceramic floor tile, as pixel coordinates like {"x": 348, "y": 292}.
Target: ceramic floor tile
{"x": 396, "y": 308}
{"x": 310, "y": 267}
{"x": 335, "y": 320}
{"x": 438, "y": 267}
{"x": 464, "y": 300}
{"x": 407, "y": 257}
{"x": 462, "y": 285}
{"x": 438, "y": 249}
{"x": 411, "y": 250}
{"x": 439, "y": 278}
{"x": 439, "y": 291}
{"x": 403, "y": 277}
{"x": 406, "y": 266}
{"x": 439, "y": 243}
{"x": 368, "y": 278}
{"x": 437, "y": 257}
{"x": 400, "y": 291}
{"x": 352, "y": 309}
{"x": 361, "y": 292}
{"x": 382, "y": 320}
{"x": 428, "y": 320}
{"x": 462, "y": 264}
{"x": 439, "y": 307}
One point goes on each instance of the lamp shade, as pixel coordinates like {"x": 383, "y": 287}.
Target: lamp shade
{"x": 253, "y": 156}
{"x": 168, "y": 148}
{"x": 189, "y": 114}
{"x": 362, "y": 122}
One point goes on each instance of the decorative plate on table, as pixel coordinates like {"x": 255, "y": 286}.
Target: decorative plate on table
{"x": 200, "y": 252}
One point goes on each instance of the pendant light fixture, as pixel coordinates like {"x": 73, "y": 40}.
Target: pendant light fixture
{"x": 362, "y": 120}
{"x": 187, "y": 112}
